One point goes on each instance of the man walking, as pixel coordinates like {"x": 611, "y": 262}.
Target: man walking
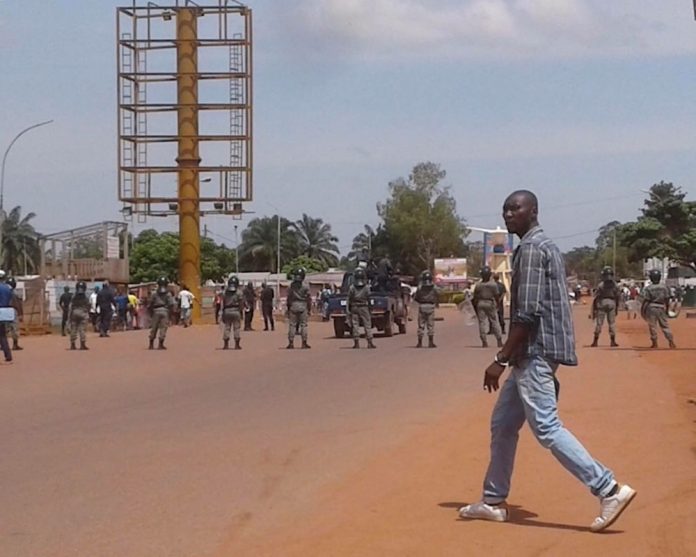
{"x": 606, "y": 304}
{"x": 358, "y": 307}
{"x": 160, "y": 307}
{"x": 267, "y": 296}
{"x": 64, "y": 304}
{"x": 7, "y": 315}
{"x": 249, "y": 305}
{"x": 500, "y": 301}
{"x": 105, "y": 304}
{"x": 541, "y": 338}
{"x": 485, "y": 295}
{"x": 426, "y": 298}
{"x": 299, "y": 303}
{"x": 94, "y": 308}
{"x": 186, "y": 299}
{"x": 654, "y": 309}
{"x": 18, "y": 305}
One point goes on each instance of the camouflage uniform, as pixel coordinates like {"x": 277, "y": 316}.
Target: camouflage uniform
{"x": 160, "y": 305}
{"x": 485, "y": 295}
{"x": 605, "y": 305}
{"x": 359, "y": 307}
{"x": 232, "y": 307}
{"x": 655, "y": 298}
{"x": 426, "y": 297}
{"x": 78, "y": 316}
{"x": 298, "y": 302}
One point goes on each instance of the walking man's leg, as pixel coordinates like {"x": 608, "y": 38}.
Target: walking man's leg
{"x": 4, "y": 344}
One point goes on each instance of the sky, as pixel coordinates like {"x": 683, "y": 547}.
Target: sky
{"x": 585, "y": 102}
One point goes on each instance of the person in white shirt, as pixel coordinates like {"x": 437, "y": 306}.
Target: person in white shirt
{"x": 186, "y": 299}
{"x": 93, "y": 308}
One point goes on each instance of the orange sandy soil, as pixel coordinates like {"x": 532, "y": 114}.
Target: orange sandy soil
{"x": 634, "y": 409}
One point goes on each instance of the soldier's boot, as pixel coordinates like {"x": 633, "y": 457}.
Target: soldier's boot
{"x": 290, "y": 345}
{"x": 237, "y": 345}
{"x": 83, "y": 345}
{"x": 227, "y": 344}
{"x": 594, "y": 342}
{"x": 305, "y": 345}
{"x": 420, "y": 342}
{"x": 151, "y": 344}
{"x": 161, "y": 345}
{"x": 484, "y": 343}
{"x": 431, "y": 342}
{"x": 72, "y": 345}
{"x": 370, "y": 344}
{"x": 613, "y": 342}
{"x": 671, "y": 343}
{"x": 356, "y": 343}
{"x": 654, "y": 344}
{"x": 15, "y": 345}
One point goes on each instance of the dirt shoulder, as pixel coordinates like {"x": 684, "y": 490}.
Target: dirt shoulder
{"x": 632, "y": 408}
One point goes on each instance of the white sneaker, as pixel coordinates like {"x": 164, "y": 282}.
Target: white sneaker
{"x": 610, "y": 508}
{"x": 484, "y": 511}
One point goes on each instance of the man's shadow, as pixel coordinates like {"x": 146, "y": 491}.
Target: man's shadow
{"x": 518, "y": 515}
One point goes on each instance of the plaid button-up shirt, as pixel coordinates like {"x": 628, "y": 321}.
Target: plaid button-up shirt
{"x": 539, "y": 299}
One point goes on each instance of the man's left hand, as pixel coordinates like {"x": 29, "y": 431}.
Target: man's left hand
{"x": 491, "y": 377}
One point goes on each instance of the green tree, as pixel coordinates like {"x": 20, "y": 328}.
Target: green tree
{"x": 309, "y": 264}
{"x": 420, "y": 220}
{"x": 155, "y": 255}
{"x": 20, "y": 243}
{"x": 474, "y": 258}
{"x": 667, "y": 227}
{"x": 367, "y": 245}
{"x": 316, "y": 240}
{"x": 259, "y": 245}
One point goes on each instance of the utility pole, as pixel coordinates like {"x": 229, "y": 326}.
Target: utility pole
{"x": 236, "y": 250}
{"x": 613, "y": 264}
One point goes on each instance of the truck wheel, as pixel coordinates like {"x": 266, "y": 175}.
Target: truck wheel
{"x": 389, "y": 324}
{"x": 339, "y": 328}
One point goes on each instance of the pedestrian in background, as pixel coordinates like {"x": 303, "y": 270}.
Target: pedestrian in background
{"x": 7, "y": 315}
{"x": 654, "y": 308}
{"x": 249, "y": 305}
{"x": 500, "y": 301}
{"x": 484, "y": 302}
{"x": 64, "y": 304}
{"x": 267, "y": 296}
{"x": 186, "y": 299}
{"x": 18, "y": 305}
{"x": 105, "y": 304}
{"x": 79, "y": 314}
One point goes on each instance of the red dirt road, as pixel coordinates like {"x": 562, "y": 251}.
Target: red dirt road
{"x": 196, "y": 451}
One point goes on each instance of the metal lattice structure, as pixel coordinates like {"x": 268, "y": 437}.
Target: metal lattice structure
{"x": 189, "y": 65}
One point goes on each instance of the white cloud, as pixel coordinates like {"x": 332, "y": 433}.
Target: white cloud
{"x": 474, "y": 29}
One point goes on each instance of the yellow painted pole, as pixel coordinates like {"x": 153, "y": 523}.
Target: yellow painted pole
{"x": 188, "y": 158}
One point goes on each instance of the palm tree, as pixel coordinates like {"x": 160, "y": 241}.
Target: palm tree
{"x": 20, "y": 243}
{"x": 259, "y": 246}
{"x": 316, "y": 240}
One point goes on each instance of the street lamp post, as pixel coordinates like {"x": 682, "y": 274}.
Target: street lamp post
{"x": 236, "y": 250}
{"x": 2, "y": 177}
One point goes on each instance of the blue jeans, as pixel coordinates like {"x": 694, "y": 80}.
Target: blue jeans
{"x": 529, "y": 395}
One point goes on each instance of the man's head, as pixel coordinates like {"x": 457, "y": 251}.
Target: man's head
{"x": 263, "y": 284}
{"x": 655, "y": 276}
{"x": 607, "y": 273}
{"x": 521, "y": 211}
{"x": 486, "y": 273}
{"x": 66, "y": 289}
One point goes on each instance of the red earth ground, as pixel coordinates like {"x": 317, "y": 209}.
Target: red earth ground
{"x": 196, "y": 451}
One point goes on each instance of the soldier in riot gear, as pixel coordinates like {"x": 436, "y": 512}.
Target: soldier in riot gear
{"x": 13, "y": 326}
{"x": 426, "y": 298}
{"x": 484, "y": 302}
{"x": 606, "y": 304}
{"x": 299, "y": 302}
{"x": 79, "y": 316}
{"x": 654, "y": 309}
{"x": 358, "y": 307}
{"x": 160, "y": 306}
{"x": 233, "y": 302}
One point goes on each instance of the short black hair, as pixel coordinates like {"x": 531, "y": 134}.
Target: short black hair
{"x": 530, "y": 196}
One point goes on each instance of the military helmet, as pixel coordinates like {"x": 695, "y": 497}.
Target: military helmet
{"x": 162, "y": 281}
{"x": 2, "y": 274}
{"x": 607, "y": 272}
{"x": 12, "y": 283}
{"x": 232, "y": 283}
{"x": 299, "y": 274}
{"x": 426, "y": 278}
{"x": 655, "y": 275}
{"x": 486, "y": 271}
{"x": 81, "y": 287}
